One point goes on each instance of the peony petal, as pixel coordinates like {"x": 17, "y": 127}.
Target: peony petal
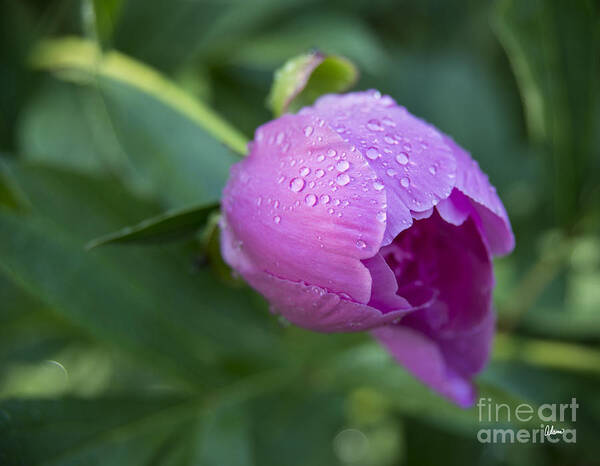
{"x": 313, "y": 307}
{"x": 409, "y": 156}
{"x": 451, "y": 259}
{"x": 303, "y": 206}
{"x": 438, "y": 364}
{"x": 422, "y": 215}
{"x": 447, "y": 342}
{"x": 475, "y": 184}
{"x": 456, "y": 208}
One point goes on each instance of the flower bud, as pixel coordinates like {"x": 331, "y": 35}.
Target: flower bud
{"x": 355, "y": 215}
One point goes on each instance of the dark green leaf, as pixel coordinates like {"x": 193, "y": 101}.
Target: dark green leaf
{"x": 124, "y": 431}
{"x": 553, "y": 47}
{"x": 149, "y": 303}
{"x": 169, "y": 225}
{"x": 10, "y": 196}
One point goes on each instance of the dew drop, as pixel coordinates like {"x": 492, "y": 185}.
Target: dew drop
{"x": 390, "y": 140}
{"x": 276, "y": 204}
{"x": 319, "y": 173}
{"x": 374, "y": 125}
{"x": 304, "y": 171}
{"x": 320, "y": 158}
{"x": 372, "y": 153}
{"x": 308, "y": 131}
{"x": 331, "y": 153}
{"x": 342, "y": 179}
{"x": 259, "y": 201}
{"x": 297, "y": 185}
{"x": 310, "y": 200}
{"x": 360, "y": 244}
{"x": 388, "y": 122}
{"x": 402, "y": 158}
{"x": 325, "y": 199}
{"x": 391, "y": 172}
{"x": 277, "y": 219}
{"x": 343, "y": 165}
{"x": 378, "y": 186}
{"x": 405, "y": 182}
{"x": 279, "y": 138}
{"x": 381, "y": 216}
{"x": 432, "y": 170}
{"x": 281, "y": 179}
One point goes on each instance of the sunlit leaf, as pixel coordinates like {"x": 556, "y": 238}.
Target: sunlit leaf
{"x": 304, "y": 78}
{"x": 75, "y": 58}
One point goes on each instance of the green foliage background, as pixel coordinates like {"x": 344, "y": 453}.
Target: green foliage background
{"x": 154, "y": 354}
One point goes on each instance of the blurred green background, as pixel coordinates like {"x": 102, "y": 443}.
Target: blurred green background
{"x": 153, "y": 355}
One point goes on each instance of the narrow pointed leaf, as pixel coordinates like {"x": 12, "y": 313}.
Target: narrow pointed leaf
{"x": 170, "y": 225}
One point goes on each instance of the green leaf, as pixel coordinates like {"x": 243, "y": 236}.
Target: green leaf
{"x": 106, "y": 13}
{"x": 75, "y": 58}
{"x": 553, "y": 48}
{"x": 10, "y": 196}
{"x": 169, "y": 225}
{"x": 123, "y": 430}
{"x": 149, "y": 303}
{"x": 304, "y": 78}
{"x": 158, "y": 139}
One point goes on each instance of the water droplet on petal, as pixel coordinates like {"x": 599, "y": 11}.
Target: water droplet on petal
{"x": 277, "y": 219}
{"x": 320, "y": 158}
{"x": 259, "y": 201}
{"x": 319, "y": 173}
{"x": 390, "y": 140}
{"x": 372, "y": 153}
{"x": 304, "y": 171}
{"x": 342, "y": 179}
{"x": 281, "y": 179}
{"x": 360, "y": 244}
{"x": 279, "y": 138}
{"x": 374, "y": 125}
{"x": 432, "y": 170}
{"x": 402, "y": 158}
{"x": 308, "y": 131}
{"x": 405, "y": 182}
{"x": 381, "y": 216}
{"x": 378, "y": 185}
{"x": 310, "y": 200}
{"x": 391, "y": 172}
{"x": 331, "y": 153}
{"x": 343, "y": 165}
{"x": 388, "y": 122}
{"x": 325, "y": 199}
{"x": 297, "y": 184}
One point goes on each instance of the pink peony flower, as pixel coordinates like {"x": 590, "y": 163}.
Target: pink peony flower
{"x": 355, "y": 215}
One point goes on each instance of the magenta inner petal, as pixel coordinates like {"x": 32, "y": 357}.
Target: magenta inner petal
{"x": 452, "y": 260}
